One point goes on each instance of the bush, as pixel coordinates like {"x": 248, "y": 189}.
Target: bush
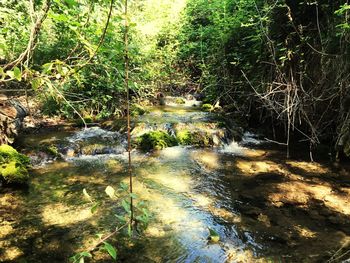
{"x": 13, "y": 165}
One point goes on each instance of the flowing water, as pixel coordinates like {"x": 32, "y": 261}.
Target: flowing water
{"x": 242, "y": 190}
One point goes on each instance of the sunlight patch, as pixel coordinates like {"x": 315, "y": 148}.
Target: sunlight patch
{"x": 11, "y": 253}
{"x": 308, "y": 167}
{"x": 256, "y": 167}
{"x": 59, "y": 214}
{"x": 209, "y": 160}
{"x": 305, "y": 232}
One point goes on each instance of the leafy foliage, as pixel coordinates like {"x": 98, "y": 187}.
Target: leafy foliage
{"x": 121, "y": 198}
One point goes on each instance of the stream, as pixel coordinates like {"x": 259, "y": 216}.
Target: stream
{"x": 264, "y": 208}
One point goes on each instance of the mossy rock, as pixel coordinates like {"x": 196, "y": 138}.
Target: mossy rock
{"x": 137, "y": 110}
{"x": 92, "y": 149}
{"x": 180, "y": 101}
{"x": 184, "y": 137}
{"x": 88, "y": 119}
{"x": 52, "y": 150}
{"x": 195, "y": 138}
{"x": 207, "y": 107}
{"x": 13, "y": 165}
{"x": 155, "y": 140}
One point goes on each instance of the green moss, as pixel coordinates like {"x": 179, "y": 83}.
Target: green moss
{"x": 195, "y": 138}
{"x": 13, "y": 165}
{"x": 156, "y": 140}
{"x": 137, "y": 110}
{"x": 180, "y": 101}
{"x": 91, "y": 149}
{"x": 207, "y": 107}
{"x": 52, "y": 150}
{"x": 87, "y": 119}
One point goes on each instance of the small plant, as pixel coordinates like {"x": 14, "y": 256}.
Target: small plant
{"x": 132, "y": 218}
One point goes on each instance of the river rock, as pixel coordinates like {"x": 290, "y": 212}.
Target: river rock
{"x": 12, "y": 114}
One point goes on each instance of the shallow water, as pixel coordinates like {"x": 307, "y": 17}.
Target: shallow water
{"x": 242, "y": 193}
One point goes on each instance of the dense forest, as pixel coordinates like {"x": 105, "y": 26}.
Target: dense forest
{"x": 280, "y": 68}
{"x": 283, "y": 64}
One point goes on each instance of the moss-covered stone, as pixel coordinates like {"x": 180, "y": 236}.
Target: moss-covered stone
{"x": 92, "y": 149}
{"x": 207, "y": 107}
{"x": 156, "y": 140}
{"x": 180, "y": 101}
{"x": 184, "y": 137}
{"x": 13, "y": 165}
{"x": 195, "y": 138}
{"x": 87, "y": 118}
{"x": 137, "y": 110}
{"x": 52, "y": 150}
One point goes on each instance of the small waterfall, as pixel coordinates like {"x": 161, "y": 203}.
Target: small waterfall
{"x": 94, "y": 141}
{"x": 239, "y": 148}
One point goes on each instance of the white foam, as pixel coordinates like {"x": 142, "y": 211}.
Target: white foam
{"x": 91, "y": 133}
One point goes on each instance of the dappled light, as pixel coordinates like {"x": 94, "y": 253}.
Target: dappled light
{"x": 174, "y": 131}
{"x": 309, "y": 167}
{"x": 59, "y": 214}
{"x": 208, "y": 160}
{"x": 250, "y": 167}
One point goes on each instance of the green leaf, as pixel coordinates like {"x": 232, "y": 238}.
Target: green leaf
{"x": 110, "y": 249}
{"x": 36, "y": 83}
{"x": 126, "y": 206}
{"x": 71, "y": 3}
{"x": 10, "y": 74}
{"x": 122, "y": 219}
{"x": 133, "y": 195}
{"x": 87, "y": 195}
{"x": 17, "y": 73}
{"x": 2, "y": 73}
{"x": 94, "y": 207}
{"x": 47, "y": 67}
{"x": 213, "y": 235}
{"x": 86, "y": 254}
{"x": 124, "y": 186}
{"x": 110, "y": 191}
